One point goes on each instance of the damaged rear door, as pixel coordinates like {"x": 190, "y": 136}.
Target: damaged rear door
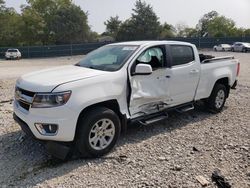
{"x": 149, "y": 93}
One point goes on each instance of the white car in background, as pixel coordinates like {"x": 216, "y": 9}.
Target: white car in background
{"x": 222, "y": 47}
{"x": 13, "y": 53}
{"x": 241, "y": 47}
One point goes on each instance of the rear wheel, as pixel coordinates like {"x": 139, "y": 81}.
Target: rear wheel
{"x": 244, "y": 50}
{"x": 99, "y": 130}
{"x": 217, "y": 99}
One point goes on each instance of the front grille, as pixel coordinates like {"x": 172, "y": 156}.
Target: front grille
{"x": 25, "y": 92}
{"x": 24, "y": 98}
{"x": 24, "y": 105}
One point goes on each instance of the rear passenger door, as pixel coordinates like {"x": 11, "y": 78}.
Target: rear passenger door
{"x": 183, "y": 75}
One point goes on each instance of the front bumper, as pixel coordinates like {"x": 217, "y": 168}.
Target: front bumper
{"x": 59, "y": 150}
{"x": 65, "y": 118}
{"x": 23, "y": 126}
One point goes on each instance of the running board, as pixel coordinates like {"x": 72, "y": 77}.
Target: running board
{"x": 185, "y": 108}
{"x": 153, "y": 119}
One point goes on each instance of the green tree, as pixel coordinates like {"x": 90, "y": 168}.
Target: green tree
{"x": 2, "y": 5}
{"x": 9, "y": 23}
{"x": 56, "y": 22}
{"x": 247, "y": 32}
{"x": 167, "y": 31}
{"x": 113, "y": 26}
{"x": 32, "y": 28}
{"x": 47, "y": 8}
{"x": 70, "y": 25}
{"x": 202, "y": 25}
{"x": 221, "y": 26}
{"x": 190, "y": 32}
{"x": 93, "y": 36}
{"x": 180, "y": 29}
{"x": 126, "y": 31}
{"x": 144, "y": 24}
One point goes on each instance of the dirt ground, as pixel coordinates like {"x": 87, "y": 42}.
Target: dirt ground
{"x": 168, "y": 154}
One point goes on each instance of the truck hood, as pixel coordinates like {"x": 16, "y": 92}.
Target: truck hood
{"x": 46, "y": 80}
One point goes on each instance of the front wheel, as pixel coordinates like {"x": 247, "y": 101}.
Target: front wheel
{"x": 217, "y": 99}
{"x": 99, "y": 130}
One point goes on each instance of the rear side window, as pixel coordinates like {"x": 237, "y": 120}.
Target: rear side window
{"x": 12, "y": 50}
{"x": 181, "y": 54}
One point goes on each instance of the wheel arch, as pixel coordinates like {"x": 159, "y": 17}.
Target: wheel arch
{"x": 110, "y": 104}
{"x": 224, "y": 81}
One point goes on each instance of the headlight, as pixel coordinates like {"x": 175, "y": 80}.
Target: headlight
{"x": 48, "y": 100}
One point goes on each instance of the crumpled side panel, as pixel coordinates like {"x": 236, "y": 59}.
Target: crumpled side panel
{"x": 149, "y": 94}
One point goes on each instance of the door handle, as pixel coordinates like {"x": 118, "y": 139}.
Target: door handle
{"x": 194, "y": 71}
{"x": 168, "y": 76}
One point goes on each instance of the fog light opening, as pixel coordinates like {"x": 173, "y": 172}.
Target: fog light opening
{"x": 46, "y": 129}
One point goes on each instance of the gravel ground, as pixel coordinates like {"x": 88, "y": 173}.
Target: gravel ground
{"x": 168, "y": 154}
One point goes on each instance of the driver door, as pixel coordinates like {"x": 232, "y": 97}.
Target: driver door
{"x": 149, "y": 93}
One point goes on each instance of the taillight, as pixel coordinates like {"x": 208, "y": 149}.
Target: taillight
{"x": 238, "y": 69}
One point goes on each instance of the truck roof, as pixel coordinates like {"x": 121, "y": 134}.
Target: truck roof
{"x": 12, "y": 49}
{"x": 146, "y": 43}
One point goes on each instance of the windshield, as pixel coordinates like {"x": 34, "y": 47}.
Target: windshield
{"x": 108, "y": 58}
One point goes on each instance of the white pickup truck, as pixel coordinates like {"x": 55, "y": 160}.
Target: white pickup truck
{"x": 87, "y": 105}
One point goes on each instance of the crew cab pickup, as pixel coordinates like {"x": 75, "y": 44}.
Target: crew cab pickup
{"x": 87, "y": 105}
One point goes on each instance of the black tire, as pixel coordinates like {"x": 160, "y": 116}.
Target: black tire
{"x": 86, "y": 123}
{"x": 212, "y": 103}
{"x": 244, "y": 50}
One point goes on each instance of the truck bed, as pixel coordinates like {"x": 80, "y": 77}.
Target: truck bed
{"x": 210, "y": 59}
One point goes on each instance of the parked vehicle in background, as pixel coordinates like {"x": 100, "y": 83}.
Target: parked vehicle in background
{"x": 88, "y": 104}
{"x": 13, "y": 53}
{"x": 241, "y": 47}
{"x": 222, "y": 47}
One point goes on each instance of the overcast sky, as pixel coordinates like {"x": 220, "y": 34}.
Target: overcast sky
{"x": 170, "y": 11}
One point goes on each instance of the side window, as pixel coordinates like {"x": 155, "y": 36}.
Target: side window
{"x": 152, "y": 56}
{"x": 181, "y": 54}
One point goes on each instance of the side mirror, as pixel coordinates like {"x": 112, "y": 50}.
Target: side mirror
{"x": 143, "y": 69}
